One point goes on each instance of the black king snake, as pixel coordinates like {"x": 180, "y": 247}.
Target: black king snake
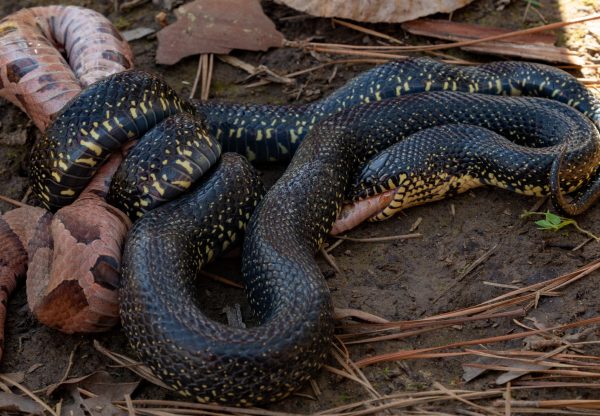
{"x": 453, "y": 142}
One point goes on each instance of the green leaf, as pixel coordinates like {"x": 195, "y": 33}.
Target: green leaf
{"x": 553, "y": 218}
{"x": 545, "y": 225}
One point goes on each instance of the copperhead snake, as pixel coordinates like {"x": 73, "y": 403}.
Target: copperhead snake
{"x": 72, "y": 258}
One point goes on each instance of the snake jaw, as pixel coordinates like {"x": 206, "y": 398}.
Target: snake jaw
{"x": 354, "y": 213}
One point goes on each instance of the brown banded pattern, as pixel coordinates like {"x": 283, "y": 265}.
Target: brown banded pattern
{"x": 33, "y": 73}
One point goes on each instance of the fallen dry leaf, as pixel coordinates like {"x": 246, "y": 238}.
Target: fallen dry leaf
{"x": 100, "y": 383}
{"x": 391, "y": 11}
{"x": 102, "y": 388}
{"x": 216, "y": 26}
{"x": 12, "y": 403}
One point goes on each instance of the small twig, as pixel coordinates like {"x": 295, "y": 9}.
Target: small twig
{"x": 315, "y": 387}
{"x": 135, "y": 366}
{"x": 477, "y": 262}
{"x": 450, "y": 393}
{"x": 419, "y": 48}
{"x": 26, "y": 195}
{"x": 579, "y": 246}
{"x": 380, "y": 239}
{"x": 12, "y": 201}
{"x": 330, "y": 260}
{"x": 465, "y": 272}
{"x": 508, "y": 399}
{"x": 70, "y": 364}
{"x": 197, "y": 77}
{"x": 334, "y": 246}
{"x": 130, "y": 408}
{"x": 367, "y": 31}
{"x": 415, "y": 225}
{"x": 341, "y": 313}
{"x": 206, "y": 76}
{"x": 318, "y": 67}
{"x": 221, "y": 279}
{"x": 131, "y": 4}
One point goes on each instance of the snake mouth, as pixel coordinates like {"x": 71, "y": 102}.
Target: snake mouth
{"x": 354, "y": 213}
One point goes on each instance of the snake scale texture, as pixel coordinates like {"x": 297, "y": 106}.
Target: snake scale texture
{"x": 327, "y": 143}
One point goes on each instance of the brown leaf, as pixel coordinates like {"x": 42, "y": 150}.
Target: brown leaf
{"x": 100, "y": 383}
{"x": 375, "y": 10}
{"x": 216, "y": 26}
{"x": 14, "y": 403}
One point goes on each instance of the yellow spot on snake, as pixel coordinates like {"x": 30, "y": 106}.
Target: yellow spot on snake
{"x": 293, "y": 136}
{"x": 56, "y": 176}
{"x": 159, "y": 188}
{"x": 133, "y": 112}
{"x": 185, "y": 152}
{"x": 107, "y": 125}
{"x": 95, "y": 135}
{"x": 67, "y": 192}
{"x": 427, "y": 85}
{"x": 84, "y": 132}
{"x": 143, "y": 107}
{"x": 186, "y": 165}
{"x": 62, "y": 165}
{"x": 259, "y": 135}
{"x": 92, "y": 146}
{"x": 183, "y": 184}
{"x": 86, "y": 161}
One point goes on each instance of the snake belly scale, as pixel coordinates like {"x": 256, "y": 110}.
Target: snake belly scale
{"x": 215, "y": 363}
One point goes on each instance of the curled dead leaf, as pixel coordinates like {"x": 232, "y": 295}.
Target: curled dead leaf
{"x": 216, "y": 26}
{"x": 100, "y": 383}
{"x": 391, "y": 11}
{"x": 13, "y": 403}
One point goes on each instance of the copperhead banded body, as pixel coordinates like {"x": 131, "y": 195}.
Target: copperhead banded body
{"x": 47, "y": 55}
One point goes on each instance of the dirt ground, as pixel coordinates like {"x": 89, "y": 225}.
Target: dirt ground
{"x": 396, "y": 280}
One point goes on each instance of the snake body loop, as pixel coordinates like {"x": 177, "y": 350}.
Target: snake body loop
{"x": 215, "y": 363}
{"x": 273, "y": 133}
{"x": 285, "y": 287}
